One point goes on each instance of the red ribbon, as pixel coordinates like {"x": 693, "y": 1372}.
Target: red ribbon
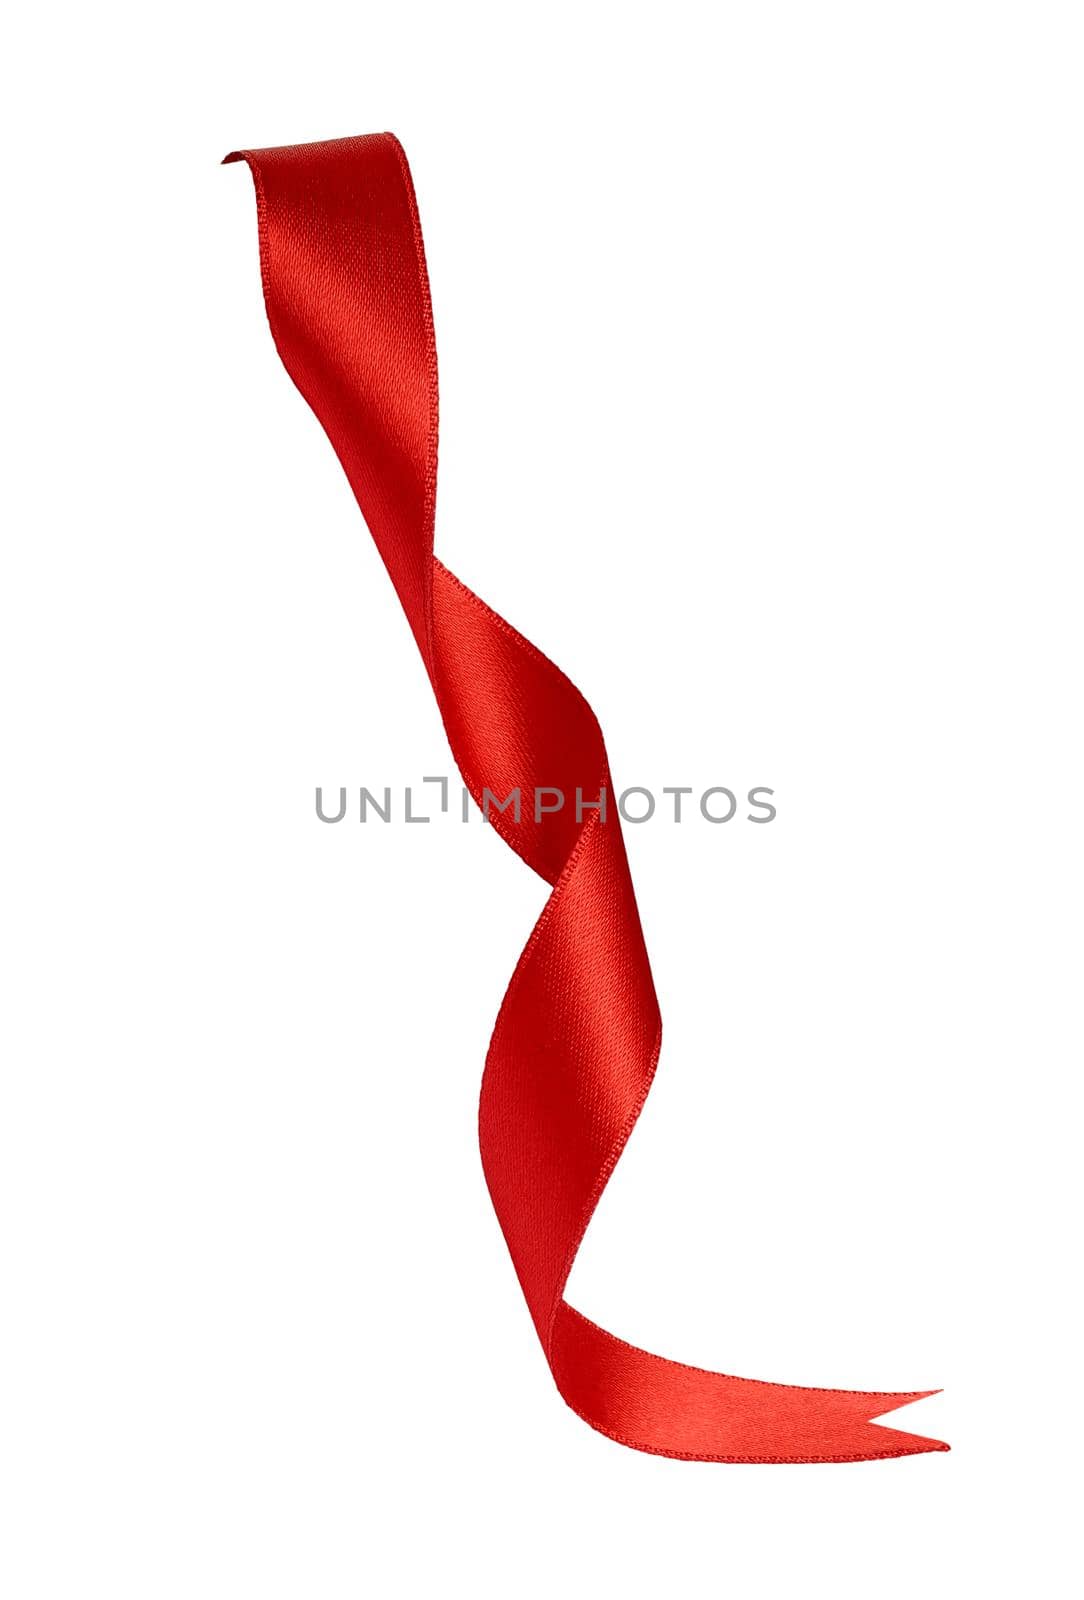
{"x": 577, "y": 1038}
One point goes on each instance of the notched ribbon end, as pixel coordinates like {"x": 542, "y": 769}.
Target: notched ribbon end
{"x": 898, "y": 1442}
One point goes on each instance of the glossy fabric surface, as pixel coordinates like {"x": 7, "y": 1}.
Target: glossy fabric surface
{"x": 576, "y": 1042}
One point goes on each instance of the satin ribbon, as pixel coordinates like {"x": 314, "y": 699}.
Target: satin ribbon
{"x": 575, "y": 1044}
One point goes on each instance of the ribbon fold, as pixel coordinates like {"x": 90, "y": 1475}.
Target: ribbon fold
{"x": 577, "y": 1039}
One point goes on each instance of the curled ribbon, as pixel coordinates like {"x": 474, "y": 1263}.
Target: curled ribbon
{"x": 577, "y": 1038}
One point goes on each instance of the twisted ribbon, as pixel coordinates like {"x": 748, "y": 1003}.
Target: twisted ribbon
{"x": 577, "y": 1039}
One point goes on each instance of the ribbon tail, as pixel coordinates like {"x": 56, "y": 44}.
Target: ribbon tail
{"x": 668, "y": 1409}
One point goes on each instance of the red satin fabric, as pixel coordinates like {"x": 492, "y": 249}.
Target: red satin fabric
{"x": 575, "y": 1045}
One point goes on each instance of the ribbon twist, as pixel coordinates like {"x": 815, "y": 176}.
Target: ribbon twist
{"x": 577, "y": 1039}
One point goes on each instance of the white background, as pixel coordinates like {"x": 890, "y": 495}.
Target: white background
{"x": 761, "y": 350}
